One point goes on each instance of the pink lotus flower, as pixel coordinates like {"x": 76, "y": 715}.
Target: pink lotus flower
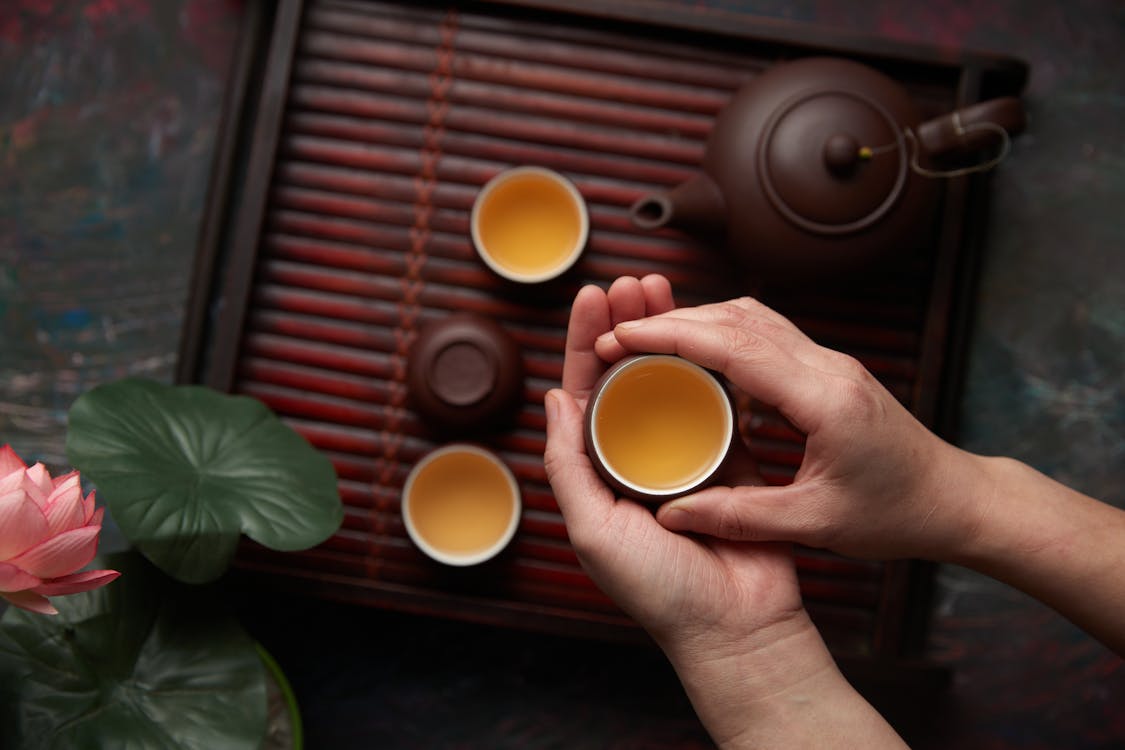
{"x": 47, "y": 532}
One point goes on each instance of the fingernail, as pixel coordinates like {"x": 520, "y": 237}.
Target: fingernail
{"x": 551, "y": 404}
{"x": 675, "y": 515}
{"x": 628, "y": 325}
{"x": 607, "y": 338}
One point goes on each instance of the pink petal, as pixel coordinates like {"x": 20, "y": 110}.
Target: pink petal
{"x": 13, "y": 578}
{"x": 76, "y": 583}
{"x": 64, "y": 509}
{"x": 61, "y": 554}
{"x": 42, "y": 477}
{"x": 9, "y": 461}
{"x": 31, "y": 601}
{"x": 23, "y": 524}
{"x": 12, "y": 482}
{"x": 59, "y": 480}
{"x": 37, "y": 484}
{"x": 64, "y": 479}
{"x": 88, "y": 508}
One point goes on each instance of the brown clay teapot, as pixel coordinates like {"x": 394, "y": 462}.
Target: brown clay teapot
{"x": 822, "y": 165}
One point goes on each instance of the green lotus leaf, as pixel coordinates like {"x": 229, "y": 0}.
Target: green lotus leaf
{"x": 144, "y": 662}
{"x": 185, "y": 469}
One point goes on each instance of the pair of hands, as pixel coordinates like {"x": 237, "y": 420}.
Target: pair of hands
{"x": 681, "y": 588}
{"x": 711, "y": 575}
{"x": 872, "y": 483}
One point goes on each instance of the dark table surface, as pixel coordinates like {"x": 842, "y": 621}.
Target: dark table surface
{"x": 109, "y": 111}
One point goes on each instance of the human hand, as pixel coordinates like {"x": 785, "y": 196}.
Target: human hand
{"x": 728, "y": 615}
{"x": 701, "y": 598}
{"x": 874, "y": 482}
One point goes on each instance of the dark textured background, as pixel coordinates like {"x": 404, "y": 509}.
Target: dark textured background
{"x": 109, "y": 111}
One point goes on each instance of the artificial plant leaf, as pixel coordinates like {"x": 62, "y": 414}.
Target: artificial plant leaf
{"x": 144, "y": 662}
{"x": 185, "y": 469}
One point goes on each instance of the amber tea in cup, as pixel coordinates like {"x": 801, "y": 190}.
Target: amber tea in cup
{"x": 461, "y": 504}
{"x": 529, "y": 224}
{"x": 658, "y": 426}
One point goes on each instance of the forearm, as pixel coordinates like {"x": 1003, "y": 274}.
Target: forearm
{"x": 1056, "y": 544}
{"x": 787, "y": 694}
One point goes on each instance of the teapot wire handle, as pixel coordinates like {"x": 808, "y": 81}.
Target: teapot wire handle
{"x": 961, "y": 130}
{"x": 868, "y": 152}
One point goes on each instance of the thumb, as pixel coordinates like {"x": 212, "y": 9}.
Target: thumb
{"x": 583, "y": 498}
{"x": 743, "y": 514}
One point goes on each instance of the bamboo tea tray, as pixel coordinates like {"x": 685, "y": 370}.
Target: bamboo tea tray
{"x": 357, "y": 136}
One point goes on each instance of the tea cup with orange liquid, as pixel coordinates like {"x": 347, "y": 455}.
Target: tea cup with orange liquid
{"x": 658, "y": 427}
{"x": 529, "y": 224}
{"x": 461, "y": 504}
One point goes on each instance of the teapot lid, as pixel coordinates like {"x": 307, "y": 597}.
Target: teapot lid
{"x": 832, "y": 161}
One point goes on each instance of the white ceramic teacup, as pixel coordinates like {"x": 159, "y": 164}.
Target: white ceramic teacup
{"x": 461, "y": 504}
{"x": 659, "y": 426}
{"x": 529, "y": 224}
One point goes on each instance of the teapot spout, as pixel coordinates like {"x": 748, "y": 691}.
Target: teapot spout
{"x": 697, "y": 204}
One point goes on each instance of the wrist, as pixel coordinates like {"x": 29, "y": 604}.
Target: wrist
{"x": 1006, "y": 516}
{"x": 753, "y": 682}
{"x": 1023, "y": 518}
{"x": 957, "y": 506}
{"x": 1053, "y": 543}
{"x": 780, "y": 688}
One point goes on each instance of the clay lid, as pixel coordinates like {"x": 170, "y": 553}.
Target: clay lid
{"x": 464, "y": 373}
{"x": 811, "y": 160}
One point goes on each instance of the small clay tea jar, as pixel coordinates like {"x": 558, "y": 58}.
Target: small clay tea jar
{"x": 658, "y": 427}
{"x": 464, "y": 373}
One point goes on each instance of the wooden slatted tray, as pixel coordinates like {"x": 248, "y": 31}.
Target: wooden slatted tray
{"x": 364, "y": 130}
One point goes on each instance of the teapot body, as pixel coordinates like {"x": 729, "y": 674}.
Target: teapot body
{"x": 786, "y": 156}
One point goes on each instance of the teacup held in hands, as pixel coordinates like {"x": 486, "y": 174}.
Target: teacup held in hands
{"x": 658, "y": 426}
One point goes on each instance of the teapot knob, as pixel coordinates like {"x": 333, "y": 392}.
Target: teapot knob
{"x": 841, "y": 154}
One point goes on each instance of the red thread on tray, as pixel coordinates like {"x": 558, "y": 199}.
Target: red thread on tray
{"x": 412, "y": 281}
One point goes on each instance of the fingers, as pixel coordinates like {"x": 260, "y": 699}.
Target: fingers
{"x": 626, "y": 300}
{"x": 658, "y": 294}
{"x": 631, "y": 299}
{"x": 740, "y": 312}
{"x": 755, "y": 362}
{"x": 595, "y": 312}
{"x": 589, "y": 318}
{"x": 745, "y": 314}
{"x": 585, "y": 501}
{"x": 745, "y": 514}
